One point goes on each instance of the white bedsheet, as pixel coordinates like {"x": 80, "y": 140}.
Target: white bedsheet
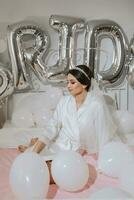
{"x": 12, "y": 137}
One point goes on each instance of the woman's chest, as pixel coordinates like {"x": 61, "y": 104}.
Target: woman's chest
{"x": 82, "y": 116}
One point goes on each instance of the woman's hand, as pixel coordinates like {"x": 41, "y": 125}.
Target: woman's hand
{"x": 38, "y": 146}
{"x": 23, "y": 148}
{"x": 33, "y": 141}
{"x": 82, "y": 152}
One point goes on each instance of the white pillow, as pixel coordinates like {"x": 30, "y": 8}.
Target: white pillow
{"x": 34, "y": 109}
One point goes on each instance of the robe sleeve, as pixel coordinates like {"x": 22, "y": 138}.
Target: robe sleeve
{"x": 52, "y": 130}
{"x": 105, "y": 128}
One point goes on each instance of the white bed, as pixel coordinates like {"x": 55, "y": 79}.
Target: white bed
{"x": 28, "y": 114}
{"x": 28, "y": 118}
{"x": 12, "y": 137}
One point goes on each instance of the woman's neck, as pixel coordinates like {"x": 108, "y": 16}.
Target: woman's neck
{"x": 80, "y": 98}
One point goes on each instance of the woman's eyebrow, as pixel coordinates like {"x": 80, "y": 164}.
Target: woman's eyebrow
{"x": 70, "y": 80}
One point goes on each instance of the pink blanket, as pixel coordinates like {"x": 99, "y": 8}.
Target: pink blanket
{"x": 99, "y": 181}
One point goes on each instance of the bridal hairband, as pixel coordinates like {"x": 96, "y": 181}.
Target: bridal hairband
{"x": 79, "y": 69}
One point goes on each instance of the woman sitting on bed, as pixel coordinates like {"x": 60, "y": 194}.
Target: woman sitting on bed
{"x": 81, "y": 121}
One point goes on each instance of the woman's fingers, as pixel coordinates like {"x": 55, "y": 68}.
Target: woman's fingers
{"x": 38, "y": 146}
{"x": 82, "y": 152}
{"x": 33, "y": 141}
{"x": 22, "y": 148}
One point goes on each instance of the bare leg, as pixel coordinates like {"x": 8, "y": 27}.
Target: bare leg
{"x": 49, "y": 167}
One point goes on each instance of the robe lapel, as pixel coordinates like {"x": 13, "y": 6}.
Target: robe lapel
{"x": 74, "y": 120}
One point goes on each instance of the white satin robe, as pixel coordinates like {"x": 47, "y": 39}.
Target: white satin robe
{"x": 89, "y": 127}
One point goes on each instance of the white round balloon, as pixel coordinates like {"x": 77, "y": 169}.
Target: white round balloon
{"x": 113, "y": 156}
{"x": 70, "y": 171}
{"x": 125, "y": 121}
{"x": 110, "y": 193}
{"x": 29, "y": 176}
{"x": 126, "y": 179}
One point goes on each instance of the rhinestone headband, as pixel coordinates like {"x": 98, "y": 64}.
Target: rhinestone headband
{"x": 80, "y": 70}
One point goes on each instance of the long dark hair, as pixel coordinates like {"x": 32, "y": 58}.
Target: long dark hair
{"x": 83, "y": 74}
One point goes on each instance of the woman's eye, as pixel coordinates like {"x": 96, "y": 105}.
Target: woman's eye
{"x": 70, "y": 82}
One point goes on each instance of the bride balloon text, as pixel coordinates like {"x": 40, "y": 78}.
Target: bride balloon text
{"x": 29, "y": 50}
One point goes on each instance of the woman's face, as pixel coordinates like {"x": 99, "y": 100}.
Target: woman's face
{"x": 74, "y": 86}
